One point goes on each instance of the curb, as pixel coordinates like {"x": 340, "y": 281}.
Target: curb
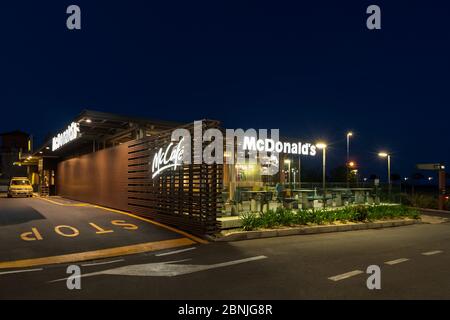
{"x": 248, "y": 235}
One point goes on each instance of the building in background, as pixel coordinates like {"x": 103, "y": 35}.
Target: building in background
{"x": 13, "y": 146}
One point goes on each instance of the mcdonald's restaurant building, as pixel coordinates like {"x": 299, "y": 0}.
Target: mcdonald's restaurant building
{"x": 107, "y": 159}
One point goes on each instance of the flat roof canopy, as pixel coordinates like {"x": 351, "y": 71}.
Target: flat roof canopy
{"x": 105, "y": 129}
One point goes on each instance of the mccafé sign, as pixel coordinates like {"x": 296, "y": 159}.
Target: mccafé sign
{"x": 168, "y": 158}
{"x": 71, "y": 133}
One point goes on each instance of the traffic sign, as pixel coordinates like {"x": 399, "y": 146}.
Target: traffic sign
{"x": 430, "y": 166}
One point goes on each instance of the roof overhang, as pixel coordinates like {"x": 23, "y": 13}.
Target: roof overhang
{"x": 106, "y": 128}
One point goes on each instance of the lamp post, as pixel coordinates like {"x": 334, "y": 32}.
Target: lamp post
{"x": 299, "y": 171}
{"x": 294, "y": 172}
{"x": 388, "y": 156}
{"x": 349, "y": 134}
{"x": 322, "y": 146}
{"x": 352, "y": 169}
{"x": 288, "y": 162}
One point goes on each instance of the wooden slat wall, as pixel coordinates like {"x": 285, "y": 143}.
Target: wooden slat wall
{"x": 188, "y": 198}
{"x": 100, "y": 178}
{"x": 120, "y": 177}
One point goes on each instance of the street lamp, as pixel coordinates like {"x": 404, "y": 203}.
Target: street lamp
{"x": 294, "y": 172}
{"x": 388, "y": 156}
{"x": 349, "y": 134}
{"x": 288, "y": 162}
{"x": 322, "y": 146}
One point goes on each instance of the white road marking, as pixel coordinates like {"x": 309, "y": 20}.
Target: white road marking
{"x": 392, "y": 262}
{"x": 101, "y": 263}
{"x": 174, "y": 252}
{"x": 345, "y": 275}
{"x": 20, "y": 271}
{"x": 164, "y": 269}
{"x": 430, "y": 253}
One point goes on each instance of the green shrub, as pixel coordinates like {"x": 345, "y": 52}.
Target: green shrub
{"x": 303, "y": 217}
{"x": 287, "y": 217}
{"x": 269, "y": 219}
{"x": 250, "y": 221}
{"x": 422, "y": 201}
{"x": 360, "y": 213}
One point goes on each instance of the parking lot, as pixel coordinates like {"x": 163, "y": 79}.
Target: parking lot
{"x": 41, "y": 231}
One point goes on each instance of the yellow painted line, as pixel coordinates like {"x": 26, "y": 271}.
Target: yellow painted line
{"x": 98, "y": 254}
{"x": 188, "y": 235}
{"x": 183, "y": 233}
{"x": 66, "y": 204}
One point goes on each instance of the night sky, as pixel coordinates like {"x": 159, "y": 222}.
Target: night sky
{"x": 311, "y": 69}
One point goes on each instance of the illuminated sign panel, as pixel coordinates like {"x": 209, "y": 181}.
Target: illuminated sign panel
{"x": 71, "y": 133}
{"x": 270, "y": 145}
{"x": 209, "y": 149}
{"x": 164, "y": 159}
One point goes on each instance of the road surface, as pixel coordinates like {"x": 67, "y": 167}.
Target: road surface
{"x": 414, "y": 261}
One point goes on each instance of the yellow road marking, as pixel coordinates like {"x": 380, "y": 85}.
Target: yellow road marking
{"x": 183, "y": 233}
{"x": 98, "y": 254}
{"x": 75, "y": 232}
{"x": 67, "y": 204}
{"x": 188, "y": 235}
{"x": 28, "y": 236}
{"x": 99, "y": 229}
{"x": 124, "y": 224}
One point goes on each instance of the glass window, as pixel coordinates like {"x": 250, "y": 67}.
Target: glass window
{"x": 20, "y": 183}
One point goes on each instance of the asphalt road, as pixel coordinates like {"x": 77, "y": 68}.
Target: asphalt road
{"x": 36, "y": 228}
{"x": 414, "y": 262}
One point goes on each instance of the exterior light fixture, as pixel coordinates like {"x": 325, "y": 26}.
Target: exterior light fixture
{"x": 288, "y": 162}
{"x": 349, "y": 134}
{"x": 88, "y": 120}
{"x": 388, "y": 156}
{"x": 323, "y": 146}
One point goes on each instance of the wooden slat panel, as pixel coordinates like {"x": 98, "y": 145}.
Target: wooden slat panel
{"x": 188, "y": 198}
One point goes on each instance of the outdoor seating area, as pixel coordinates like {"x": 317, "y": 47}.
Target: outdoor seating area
{"x": 247, "y": 200}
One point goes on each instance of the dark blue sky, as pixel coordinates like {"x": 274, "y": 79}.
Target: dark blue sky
{"x": 311, "y": 69}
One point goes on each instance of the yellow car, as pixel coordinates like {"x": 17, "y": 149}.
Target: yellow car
{"x": 20, "y": 187}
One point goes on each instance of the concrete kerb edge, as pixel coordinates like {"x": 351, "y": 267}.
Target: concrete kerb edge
{"x": 260, "y": 234}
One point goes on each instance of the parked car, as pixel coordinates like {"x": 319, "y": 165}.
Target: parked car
{"x": 20, "y": 187}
